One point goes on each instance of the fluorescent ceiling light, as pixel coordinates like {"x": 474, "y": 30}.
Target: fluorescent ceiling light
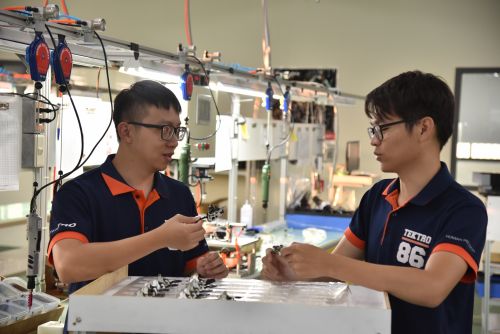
{"x": 221, "y": 87}
{"x": 147, "y": 73}
{"x": 489, "y": 151}
{"x": 463, "y": 150}
{"x": 151, "y": 70}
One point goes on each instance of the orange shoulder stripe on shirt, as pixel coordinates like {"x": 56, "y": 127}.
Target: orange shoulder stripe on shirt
{"x": 470, "y": 276}
{"x": 353, "y": 239}
{"x": 61, "y": 236}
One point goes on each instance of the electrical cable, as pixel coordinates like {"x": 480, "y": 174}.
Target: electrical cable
{"x": 68, "y": 22}
{"x": 70, "y": 17}
{"x": 201, "y": 195}
{"x": 80, "y": 163}
{"x": 291, "y": 125}
{"x": 213, "y": 99}
{"x": 187, "y": 23}
{"x": 15, "y": 8}
{"x": 36, "y": 191}
{"x": 97, "y": 82}
{"x": 59, "y": 136}
{"x": 191, "y": 176}
{"x": 64, "y": 7}
{"x": 22, "y": 12}
{"x": 66, "y": 89}
{"x": 28, "y": 96}
{"x": 110, "y": 100}
{"x": 266, "y": 41}
{"x": 45, "y": 100}
{"x": 336, "y": 150}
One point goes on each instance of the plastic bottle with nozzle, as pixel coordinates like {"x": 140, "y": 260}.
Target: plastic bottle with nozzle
{"x": 246, "y": 214}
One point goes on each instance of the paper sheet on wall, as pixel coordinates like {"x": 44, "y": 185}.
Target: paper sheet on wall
{"x": 94, "y": 116}
{"x": 10, "y": 142}
{"x": 223, "y": 147}
{"x": 303, "y": 148}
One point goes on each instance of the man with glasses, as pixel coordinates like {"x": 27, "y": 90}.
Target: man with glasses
{"x": 420, "y": 236}
{"x": 127, "y": 213}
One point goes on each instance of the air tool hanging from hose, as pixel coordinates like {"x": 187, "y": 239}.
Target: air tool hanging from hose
{"x": 185, "y": 158}
{"x": 266, "y": 169}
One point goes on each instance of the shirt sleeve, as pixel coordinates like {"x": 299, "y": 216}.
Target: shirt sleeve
{"x": 357, "y": 232}
{"x": 70, "y": 218}
{"x": 464, "y": 234}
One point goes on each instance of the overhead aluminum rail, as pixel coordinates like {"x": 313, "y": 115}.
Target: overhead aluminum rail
{"x": 19, "y": 32}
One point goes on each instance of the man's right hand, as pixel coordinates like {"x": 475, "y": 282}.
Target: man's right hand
{"x": 276, "y": 268}
{"x": 183, "y": 233}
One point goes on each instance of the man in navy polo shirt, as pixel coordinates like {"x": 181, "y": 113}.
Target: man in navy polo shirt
{"x": 420, "y": 236}
{"x": 127, "y": 213}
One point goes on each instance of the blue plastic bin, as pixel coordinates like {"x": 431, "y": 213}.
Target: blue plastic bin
{"x": 494, "y": 287}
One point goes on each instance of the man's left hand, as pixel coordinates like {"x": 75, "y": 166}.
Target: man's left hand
{"x": 307, "y": 261}
{"x": 211, "y": 265}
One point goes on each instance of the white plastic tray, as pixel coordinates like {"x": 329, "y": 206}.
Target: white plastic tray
{"x": 36, "y": 306}
{"x": 16, "y": 312}
{"x": 7, "y": 292}
{"x": 17, "y": 283}
{"x": 48, "y": 302}
{"x": 4, "y": 319}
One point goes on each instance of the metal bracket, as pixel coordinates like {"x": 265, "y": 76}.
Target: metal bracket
{"x": 135, "y": 47}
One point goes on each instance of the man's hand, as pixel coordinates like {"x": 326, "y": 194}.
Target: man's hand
{"x": 307, "y": 261}
{"x": 211, "y": 265}
{"x": 276, "y": 268}
{"x": 183, "y": 233}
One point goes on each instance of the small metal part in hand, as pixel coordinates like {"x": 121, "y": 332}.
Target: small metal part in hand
{"x": 213, "y": 213}
{"x": 277, "y": 249}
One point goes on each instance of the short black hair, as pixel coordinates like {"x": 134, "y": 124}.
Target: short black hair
{"x": 412, "y": 96}
{"x": 131, "y": 103}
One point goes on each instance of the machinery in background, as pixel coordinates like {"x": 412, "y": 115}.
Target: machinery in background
{"x": 488, "y": 183}
{"x": 266, "y": 169}
{"x": 198, "y": 113}
{"x": 237, "y": 250}
{"x": 185, "y": 157}
{"x": 38, "y": 60}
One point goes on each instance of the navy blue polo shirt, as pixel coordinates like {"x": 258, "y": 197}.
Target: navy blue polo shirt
{"x": 99, "y": 206}
{"x": 444, "y": 216}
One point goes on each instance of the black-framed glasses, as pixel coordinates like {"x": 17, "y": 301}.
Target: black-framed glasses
{"x": 378, "y": 130}
{"x": 167, "y": 131}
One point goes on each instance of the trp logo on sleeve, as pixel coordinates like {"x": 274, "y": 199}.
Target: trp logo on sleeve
{"x": 62, "y": 226}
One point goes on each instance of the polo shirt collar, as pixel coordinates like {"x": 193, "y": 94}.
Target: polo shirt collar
{"x": 160, "y": 186}
{"x": 437, "y": 185}
{"x": 117, "y": 185}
